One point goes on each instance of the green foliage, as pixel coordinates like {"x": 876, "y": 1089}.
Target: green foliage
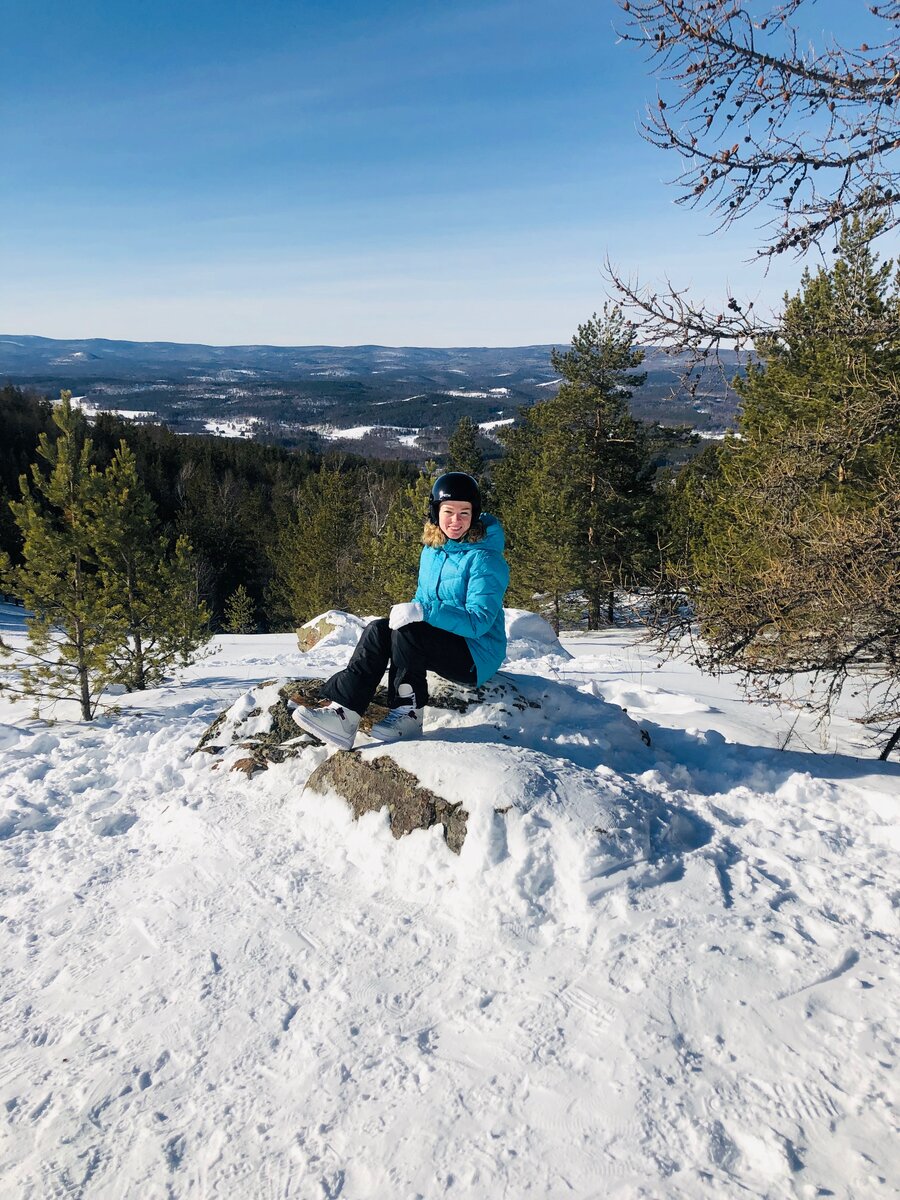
{"x": 541, "y": 523}
{"x": 576, "y": 486}
{"x": 151, "y": 588}
{"x": 109, "y": 604}
{"x": 317, "y": 558}
{"x": 463, "y": 450}
{"x": 72, "y": 632}
{"x": 393, "y": 555}
{"x": 691, "y": 492}
{"x": 239, "y": 612}
{"x": 793, "y": 537}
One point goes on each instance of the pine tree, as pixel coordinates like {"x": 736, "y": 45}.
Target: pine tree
{"x": 317, "y": 565}
{"x": 463, "y": 451}
{"x": 394, "y": 554}
{"x": 239, "y": 612}
{"x": 151, "y": 587}
{"x": 583, "y": 464}
{"x": 111, "y": 603}
{"x": 795, "y": 541}
{"x": 72, "y": 631}
{"x": 540, "y": 520}
{"x": 608, "y": 456}
{"x": 187, "y": 616}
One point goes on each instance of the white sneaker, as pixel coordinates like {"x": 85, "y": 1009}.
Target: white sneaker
{"x": 402, "y": 722}
{"x": 334, "y": 724}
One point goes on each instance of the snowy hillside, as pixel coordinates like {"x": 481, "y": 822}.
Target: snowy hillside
{"x": 664, "y": 970}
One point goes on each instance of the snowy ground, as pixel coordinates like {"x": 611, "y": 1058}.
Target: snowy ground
{"x": 220, "y": 987}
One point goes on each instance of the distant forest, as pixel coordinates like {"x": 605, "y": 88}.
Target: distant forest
{"x": 227, "y": 495}
{"x": 234, "y": 499}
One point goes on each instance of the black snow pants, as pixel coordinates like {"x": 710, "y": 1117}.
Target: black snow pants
{"x": 406, "y": 653}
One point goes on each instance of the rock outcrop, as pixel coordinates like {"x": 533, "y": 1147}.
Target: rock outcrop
{"x": 370, "y": 784}
{"x": 259, "y": 722}
{"x": 313, "y": 631}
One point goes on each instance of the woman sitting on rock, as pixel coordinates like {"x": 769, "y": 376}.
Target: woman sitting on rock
{"x": 453, "y": 625}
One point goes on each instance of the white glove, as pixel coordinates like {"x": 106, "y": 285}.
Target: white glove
{"x": 405, "y": 614}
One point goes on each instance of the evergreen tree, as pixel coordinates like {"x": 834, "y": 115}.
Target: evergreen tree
{"x": 540, "y": 519}
{"x": 239, "y": 614}
{"x": 794, "y": 540}
{"x": 223, "y": 517}
{"x": 73, "y": 631}
{"x": 584, "y": 453}
{"x": 393, "y": 555}
{"x": 188, "y": 617}
{"x": 111, "y": 604}
{"x": 23, "y": 418}
{"x": 317, "y": 565}
{"x": 463, "y": 450}
{"x": 608, "y": 456}
{"x": 150, "y": 588}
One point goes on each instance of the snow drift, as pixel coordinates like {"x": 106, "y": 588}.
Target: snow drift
{"x": 548, "y": 821}
{"x": 221, "y": 986}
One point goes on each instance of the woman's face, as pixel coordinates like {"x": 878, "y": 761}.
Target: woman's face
{"x": 454, "y": 518}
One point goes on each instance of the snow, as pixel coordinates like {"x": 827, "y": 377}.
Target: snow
{"x": 407, "y": 436}
{"x": 712, "y": 435}
{"x": 669, "y": 970}
{"x": 237, "y": 427}
{"x": 490, "y": 394}
{"x": 128, "y": 414}
{"x": 486, "y": 425}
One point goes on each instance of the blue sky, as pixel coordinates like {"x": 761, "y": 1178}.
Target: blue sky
{"x": 296, "y": 172}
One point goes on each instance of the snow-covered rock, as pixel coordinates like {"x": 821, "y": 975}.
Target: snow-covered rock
{"x": 339, "y": 627}
{"x": 530, "y": 636}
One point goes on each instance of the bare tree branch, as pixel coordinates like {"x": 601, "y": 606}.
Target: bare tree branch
{"x": 760, "y": 117}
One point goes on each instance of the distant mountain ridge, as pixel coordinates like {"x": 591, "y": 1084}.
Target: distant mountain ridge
{"x": 396, "y": 400}
{"x": 35, "y": 355}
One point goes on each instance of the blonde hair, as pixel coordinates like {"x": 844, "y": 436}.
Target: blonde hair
{"x": 434, "y": 536}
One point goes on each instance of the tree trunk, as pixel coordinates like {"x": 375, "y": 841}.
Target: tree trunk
{"x": 138, "y": 681}
{"x": 611, "y": 606}
{"x": 84, "y": 682}
{"x": 85, "y": 694}
{"x": 594, "y": 607}
{"x": 892, "y": 742}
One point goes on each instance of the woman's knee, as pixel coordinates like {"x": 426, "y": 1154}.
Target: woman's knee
{"x": 376, "y": 633}
{"x": 408, "y": 635}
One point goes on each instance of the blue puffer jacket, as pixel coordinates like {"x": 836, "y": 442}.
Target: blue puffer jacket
{"x": 461, "y": 589}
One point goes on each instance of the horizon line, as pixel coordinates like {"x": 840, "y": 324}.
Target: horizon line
{"x": 11, "y": 337}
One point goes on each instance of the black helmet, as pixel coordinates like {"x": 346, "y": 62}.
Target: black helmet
{"x": 454, "y": 485}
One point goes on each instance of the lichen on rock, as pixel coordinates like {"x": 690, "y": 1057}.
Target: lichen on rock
{"x": 370, "y": 784}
